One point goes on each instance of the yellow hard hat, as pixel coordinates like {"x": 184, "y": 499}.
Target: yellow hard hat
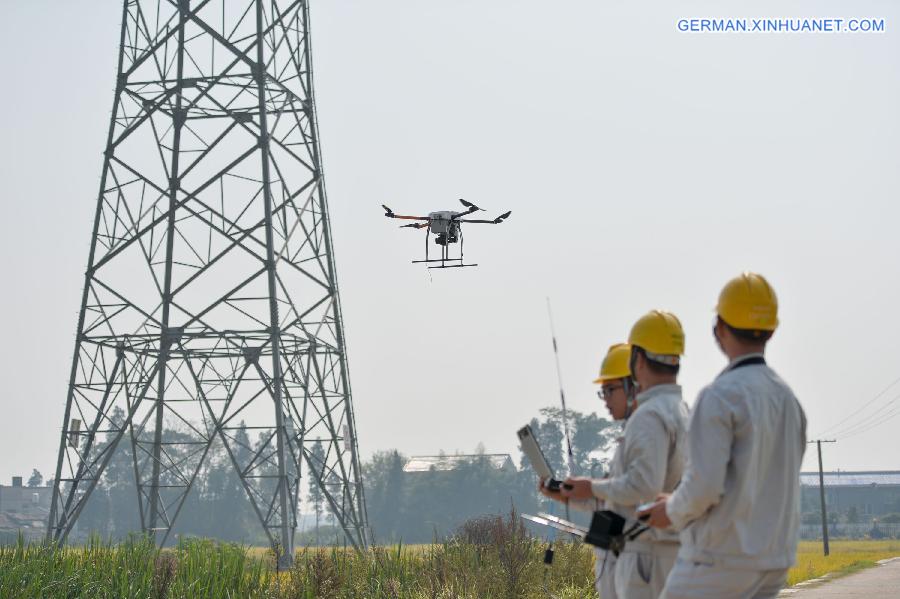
{"x": 616, "y": 363}
{"x": 748, "y": 302}
{"x": 659, "y": 333}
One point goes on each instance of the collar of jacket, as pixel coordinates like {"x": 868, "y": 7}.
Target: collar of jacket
{"x": 740, "y": 359}
{"x": 654, "y": 392}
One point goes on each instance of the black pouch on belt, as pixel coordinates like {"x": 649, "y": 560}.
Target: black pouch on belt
{"x": 607, "y": 531}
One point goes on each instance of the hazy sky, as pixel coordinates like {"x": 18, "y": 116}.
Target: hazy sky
{"x": 644, "y": 167}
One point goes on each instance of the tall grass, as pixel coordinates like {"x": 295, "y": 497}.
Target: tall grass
{"x": 493, "y": 557}
{"x": 488, "y": 558}
{"x": 134, "y": 568}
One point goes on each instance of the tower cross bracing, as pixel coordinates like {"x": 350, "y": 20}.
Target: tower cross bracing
{"x": 210, "y": 301}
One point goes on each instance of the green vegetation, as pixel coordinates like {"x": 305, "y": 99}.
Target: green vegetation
{"x": 487, "y": 558}
{"x": 845, "y": 557}
{"x": 490, "y": 557}
{"x": 133, "y": 568}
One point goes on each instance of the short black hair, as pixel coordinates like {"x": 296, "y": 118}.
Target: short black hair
{"x": 658, "y": 368}
{"x": 748, "y": 335}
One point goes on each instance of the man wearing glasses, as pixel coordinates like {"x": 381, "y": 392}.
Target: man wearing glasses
{"x": 649, "y": 459}
{"x": 616, "y": 388}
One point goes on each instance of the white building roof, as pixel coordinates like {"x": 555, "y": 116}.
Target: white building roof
{"x": 851, "y": 479}
{"x": 424, "y": 463}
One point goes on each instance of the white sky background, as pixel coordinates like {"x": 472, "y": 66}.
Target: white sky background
{"x": 644, "y": 167}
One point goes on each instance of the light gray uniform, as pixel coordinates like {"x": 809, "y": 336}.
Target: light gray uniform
{"x": 738, "y": 505}
{"x": 648, "y": 461}
{"x": 604, "y": 561}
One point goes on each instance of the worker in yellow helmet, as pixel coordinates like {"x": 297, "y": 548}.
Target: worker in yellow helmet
{"x": 739, "y": 499}
{"x": 649, "y": 458}
{"x": 617, "y": 392}
{"x": 616, "y": 386}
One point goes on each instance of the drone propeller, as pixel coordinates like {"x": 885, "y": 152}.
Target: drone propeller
{"x": 496, "y": 221}
{"x": 470, "y": 208}
{"x": 502, "y": 217}
{"x": 387, "y": 211}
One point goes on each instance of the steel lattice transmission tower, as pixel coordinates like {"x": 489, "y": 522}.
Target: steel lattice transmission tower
{"x": 210, "y": 296}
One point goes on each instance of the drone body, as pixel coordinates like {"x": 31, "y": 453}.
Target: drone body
{"x": 446, "y": 226}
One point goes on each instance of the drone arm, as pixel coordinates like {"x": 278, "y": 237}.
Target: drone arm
{"x": 390, "y": 214}
{"x": 496, "y": 221}
{"x": 470, "y": 208}
{"x": 406, "y": 217}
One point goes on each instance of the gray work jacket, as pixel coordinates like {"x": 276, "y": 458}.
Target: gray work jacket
{"x": 650, "y": 458}
{"x": 738, "y": 504}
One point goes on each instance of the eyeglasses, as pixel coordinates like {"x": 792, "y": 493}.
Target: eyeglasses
{"x": 607, "y": 391}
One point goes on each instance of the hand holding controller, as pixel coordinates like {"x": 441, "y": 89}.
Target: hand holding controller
{"x": 643, "y": 511}
{"x": 556, "y": 485}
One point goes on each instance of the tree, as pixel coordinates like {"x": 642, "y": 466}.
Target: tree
{"x": 386, "y": 495}
{"x": 316, "y": 495}
{"x": 333, "y": 486}
{"x": 589, "y": 434}
{"x": 592, "y": 434}
{"x": 549, "y": 435}
{"x": 120, "y": 514}
{"x": 36, "y": 480}
{"x": 853, "y": 515}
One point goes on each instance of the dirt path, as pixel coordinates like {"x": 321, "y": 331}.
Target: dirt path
{"x": 881, "y": 581}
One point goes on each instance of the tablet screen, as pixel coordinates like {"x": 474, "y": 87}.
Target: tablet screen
{"x": 531, "y": 449}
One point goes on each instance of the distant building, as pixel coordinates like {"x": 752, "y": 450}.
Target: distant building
{"x": 23, "y": 510}
{"x": 442, "y": 463}
{"x": 873, "y": 493}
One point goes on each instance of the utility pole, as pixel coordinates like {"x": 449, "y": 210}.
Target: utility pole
{"x": 822, "y": 495}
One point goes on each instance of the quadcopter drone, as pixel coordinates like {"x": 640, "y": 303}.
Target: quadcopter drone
{"x": 446, "y": 226}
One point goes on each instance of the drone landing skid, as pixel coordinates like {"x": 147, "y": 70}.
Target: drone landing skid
{"x": 444, "y": 263}
{"x": 453, "y": 266}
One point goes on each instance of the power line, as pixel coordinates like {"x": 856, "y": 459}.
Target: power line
{"x": 843, "y": 423}
{"x": 872, "y": 419}
{"x": 887, "y": 417}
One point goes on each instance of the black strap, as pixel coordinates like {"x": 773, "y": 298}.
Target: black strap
{"x": 635, "y": 531}
{"x": 749, "y": 362}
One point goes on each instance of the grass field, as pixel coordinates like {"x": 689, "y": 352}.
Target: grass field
{"x": 845, "y": 556}
{"x": 504, "y": 564}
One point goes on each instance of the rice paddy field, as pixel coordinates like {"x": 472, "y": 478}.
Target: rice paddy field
{"x": 845, "y": 557}
{"x": 505, "y": 567}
